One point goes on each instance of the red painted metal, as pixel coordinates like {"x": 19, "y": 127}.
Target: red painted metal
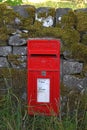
{"x": 43, "y": 77}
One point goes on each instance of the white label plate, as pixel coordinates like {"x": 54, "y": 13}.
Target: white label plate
{"x": 43, "y": 90}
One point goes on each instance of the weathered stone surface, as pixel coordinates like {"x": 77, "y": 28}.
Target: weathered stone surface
{"x": 48, "y": 22}
{"x": 19, "y": 62}
{"x": 17, "y": 21}
{"x": 72, "y": 67}
{"x": 42, "y": 15}
{"x": 20, "y": 50}
{"x": 5, "y": 50}
{"x": 73, "y": 82}
{"x": 60, "y": 12}
{"x": 86, "y": 74}
{"x": 16, "y": 40}
{"x": 61, "y": 69}
{"x": 42, "y": 10}
{"x": 81, "y": 10}
{"x": 67, "y": 53}
{"x": 21, "y": 9}
{"x": 24, "y": 96}
{"x": 4, "y": 62}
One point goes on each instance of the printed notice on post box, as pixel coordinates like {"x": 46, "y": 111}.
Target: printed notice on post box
{"x": 43, "y": 90}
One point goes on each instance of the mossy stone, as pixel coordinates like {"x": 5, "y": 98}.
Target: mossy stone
{"x": 69, "y": 19}
{"x": 7, "y": 16}
{"x": 84, "y": 39}
{"x": 81, "y": 21}
{"x": 31, "y": 12}
{"x": 51, "y": 12}
{"x": 16, "y": 79}
{"x": 14, "y": 59}
{"x": 79, "y": 51}
{"x": 70, "y": 36}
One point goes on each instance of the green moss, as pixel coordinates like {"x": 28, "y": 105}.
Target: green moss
{"x": 14, "y": 59}
{"x": 69, "y": 20}
{"x": 26, "y": 22}
{"x": 7, "y": 16}
{"x": 81, "y": 21}
{"x": 70, "y": 36}
{"x": 79, "y": 52}
{"x": 5, "y": 72}
{"x": 85, "y": 68}
{"x": 14, "y": 74}
{"x": 51, "y": 12}
{"x": 74, "y": 100}
{"x": 3, "y": 33}
{"x": 31, "y": 11}
{"x": 51, "y": 32}
{"x": 16, "y": 79}
{"x": 42, "y": 14}
{"x": 84, "y": 39}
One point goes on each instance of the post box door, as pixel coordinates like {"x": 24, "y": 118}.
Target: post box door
{"x": 44, "y": 94}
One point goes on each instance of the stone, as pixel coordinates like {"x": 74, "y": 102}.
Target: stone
{"x": 25, "y": 31}
{"x": 16, "y": 40}
{"x": 73, "y": 82}
{"x": 19, "y": 62}
{"x": 42, "y": 15}
{"x": 24, "y": 96}
{"x": 42, "y": 10}
{"x": 16, "y": 32}
{"x": 20, "y": 51}
{"x": 81, "y": 10}
{"x": 72, "y": 67}
{"x": 17, "y": 21}
{"x": 5, "y": 50}
{"x": 21, "y": 10}
{"x": 86, "y": 74}
{"x": 66, "y": 54}
{"x": 3, "y": 62}
{"x": 61, "y": 69}
{"x": 60, "y": 12}
{"x": 48, "y": 22}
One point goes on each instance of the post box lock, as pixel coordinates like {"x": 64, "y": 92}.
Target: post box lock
{"x": 43, "y": 76}
{"x": 43, "y": 73}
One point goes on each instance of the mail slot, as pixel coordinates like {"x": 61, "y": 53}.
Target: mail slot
{"x": 43, "y": 77}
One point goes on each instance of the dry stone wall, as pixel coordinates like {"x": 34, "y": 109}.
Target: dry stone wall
{"x": 28, "y": 22}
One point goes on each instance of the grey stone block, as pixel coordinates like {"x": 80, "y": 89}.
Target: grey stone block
{"x": 3, "y": 62}
{"x": 16, "y": 40}
{"x": 47, "y": 20}
{"x": 21, "y": 10}
{"x": 5, "y": 50}
{"x": 42, "y": 10}
{"x": 19, "y": 62}
{"x": 76, "y": 83}
{"x": 81, "y": 10}
{"x": 20, "y": 50}
{"x": 72, "y": 67}
{"x": 73, "y": 82}
{"x": 60, "y": 12}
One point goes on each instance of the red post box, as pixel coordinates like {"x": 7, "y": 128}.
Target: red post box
{"x": 43, "y": 76}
